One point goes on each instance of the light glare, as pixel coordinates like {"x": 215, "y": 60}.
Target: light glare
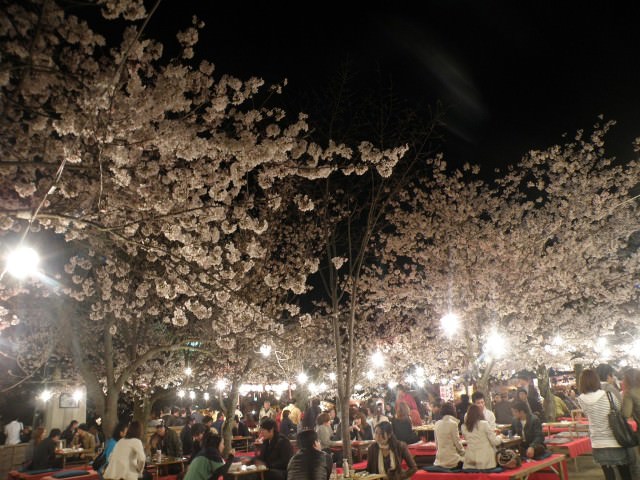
{"x": 23, "y": 262}
{"x": 450, "y": 324}
{"x": 302, "y": 378}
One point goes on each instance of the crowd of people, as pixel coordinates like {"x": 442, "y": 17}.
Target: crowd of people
{"x": 388, "y": 426}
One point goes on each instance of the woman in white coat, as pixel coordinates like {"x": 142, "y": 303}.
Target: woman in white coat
{"x": 127, "y": 459}
{"x": 449, "y": 453}
{"x": 481, "y": 441}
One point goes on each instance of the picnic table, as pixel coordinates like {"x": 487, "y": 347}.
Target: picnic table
{"x": 571, "y": 446}
{"x": 556, "y": 464}
{"x": 424, "y": 453}
{"x": 360, "y": 446}
{"x": 165, "y": 461}
{"x": 84, "y": 456}
{"x": 236, "y": 470}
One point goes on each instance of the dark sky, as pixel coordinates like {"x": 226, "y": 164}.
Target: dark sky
{"x": 515, "y": 75}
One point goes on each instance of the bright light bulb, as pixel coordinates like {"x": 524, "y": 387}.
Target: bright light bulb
{"x": 206, "y": 396}
{"x": 495, "y": 346}
{"x": 77, "y": 395}
{"x": 220, "y": 384}
{"x": 46, "y": 395}
{"x": 192, "y": 395}
{"x": 333, "y": 376}
{"x": 188, "y": 371}
{"x": 450, "y": 324}
{"x": 23, "y": 262}
{"x": 392, "y": 384}
{"x": 302, "y": 378}
{"x": 419, "y": 372}
{"x": 377, "y": 359}
{"x": 181, "y": 393}
{"x": 265, "y": 350}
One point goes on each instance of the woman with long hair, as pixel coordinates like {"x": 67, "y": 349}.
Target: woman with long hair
{"x": 360, "y": 430}
{"x": 36, "y": 438}
{"x": 449, "y": 452}
{"x": 607, "y": 452}
{"x": 481, "y": 441}
{"x": 386, "y": 455}
{"x": 119, "y": 431}
{"x": 128, "y": 457}
{"x": 209, "y": 462}
{"x": 402, "y": 426}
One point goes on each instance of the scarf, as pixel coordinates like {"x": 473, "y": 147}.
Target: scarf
{"x": 392, "y": 462}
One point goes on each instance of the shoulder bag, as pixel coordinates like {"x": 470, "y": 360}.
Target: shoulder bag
{"x": 619, "y": 426}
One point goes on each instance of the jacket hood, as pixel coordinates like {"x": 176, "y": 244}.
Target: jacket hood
{"x": 592, "y": 397}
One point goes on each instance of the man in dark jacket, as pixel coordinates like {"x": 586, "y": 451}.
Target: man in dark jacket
{"x": 275, "y": 450}
{"x": 310, "y": 462}
{"x": 529, "y": 428}
{"x": 533, "y": 396}
{"x": 287, "y": 427}
{"x": 44, "y": 455}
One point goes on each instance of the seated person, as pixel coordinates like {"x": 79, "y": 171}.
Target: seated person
{"x": 361, "y": 430}
{"x": 481, "y": 441}
{"x": 274, "y": 450}
{"x": 239, "y": 428}
{"x": 86, "y": 440}
{"x": 386, "y": 454}
{"x": 310, "y": 462}
{"x": 44, "y": 454}
{"x": 402, "y": 426}
{"x": 219, "y": 423}
{"x": 529, "y": 428}
{"x": 449, "y": 453}
{"x": 168, "y": 442}
{"x": 287, "y": 427}
{"x": 210, "y": 464}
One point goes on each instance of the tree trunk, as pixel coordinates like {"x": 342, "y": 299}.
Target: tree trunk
{"x": 482, "y": 384}
{"x": 110, "y": 418}
{"x": 544, "y": 385}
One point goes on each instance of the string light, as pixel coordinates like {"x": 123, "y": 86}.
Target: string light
{"x": 22, "y": 262}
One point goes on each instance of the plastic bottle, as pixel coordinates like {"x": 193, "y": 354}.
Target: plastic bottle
{"x": 334, "y": 472}
{"x": 345, "y": 468}
{"x": 159, "y": 454}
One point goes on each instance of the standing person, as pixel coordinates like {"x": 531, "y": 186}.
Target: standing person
{"x": 44, "y": 455}
{"x": 406, "y": 397}
{"x": 481, "y": 441}
{"x": 608, "y": 380}
{"x": 186, "y": 437}
{"x": 631, "y": 394}
{"x": 502, "y": 409}
{"x": 127, "y": 459}
{"x": 119, "y": 432}
{"x": 607, "y": 452}
{"x": 310, "y": 462}
{"x": 267, "y": 411}
{"x": 310, "y": 415}
{"x": 525, "y": 382}
{"x": 449, "y": 449}
{"x": 402, "y": 428}
{"x": 529, "y": 428}
{"x": 210, "y": 464}
{"x": 12, "y": 432}
{"x": 386, "y": 454}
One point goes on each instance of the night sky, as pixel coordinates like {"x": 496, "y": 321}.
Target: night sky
{"x": 513, "y": 75}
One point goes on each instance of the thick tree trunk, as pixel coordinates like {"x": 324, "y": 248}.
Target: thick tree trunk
{"x": 110, "y": 418}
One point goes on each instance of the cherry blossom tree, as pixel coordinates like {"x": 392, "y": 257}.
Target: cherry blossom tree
{"x": 166, "y": 181}
{"x": 544, "y": 250}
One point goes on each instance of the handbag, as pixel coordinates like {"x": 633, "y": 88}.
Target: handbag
{"x": 508, "y": 458}
{"x": 619, "y": 426}
{"x": 99, "y": 461}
